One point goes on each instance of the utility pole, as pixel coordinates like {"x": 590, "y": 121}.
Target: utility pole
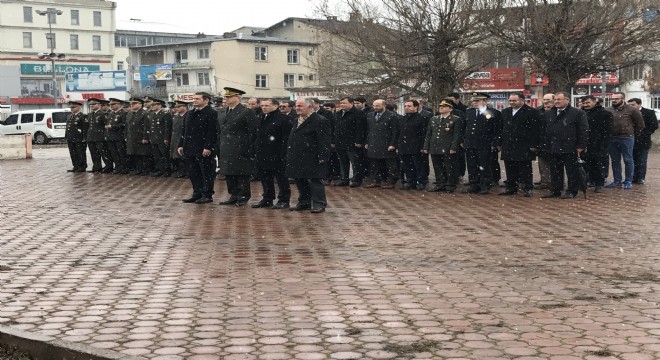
{"x": 51, "y": 14}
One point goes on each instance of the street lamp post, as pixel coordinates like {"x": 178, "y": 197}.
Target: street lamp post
{"x": 51, "y": 13}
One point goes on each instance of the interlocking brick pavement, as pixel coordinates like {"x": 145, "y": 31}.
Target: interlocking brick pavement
{"x": 118, "y": 262}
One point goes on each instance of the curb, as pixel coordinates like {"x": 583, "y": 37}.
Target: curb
{"x": 42, "y": 347}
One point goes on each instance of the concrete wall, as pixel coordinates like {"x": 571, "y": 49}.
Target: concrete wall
{"x": 14, "y": 147}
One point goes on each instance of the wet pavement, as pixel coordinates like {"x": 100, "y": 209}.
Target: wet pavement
{"x": 119, "y": 263}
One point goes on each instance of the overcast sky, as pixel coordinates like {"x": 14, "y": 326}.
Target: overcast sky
{"x": 213, "y": 16}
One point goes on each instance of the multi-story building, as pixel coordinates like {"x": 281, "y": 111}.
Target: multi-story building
{"x": 82, "y": 34}
{"x": 260, "y": 65}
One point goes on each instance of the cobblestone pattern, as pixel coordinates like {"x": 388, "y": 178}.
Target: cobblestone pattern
{"x": 120, "y": 263}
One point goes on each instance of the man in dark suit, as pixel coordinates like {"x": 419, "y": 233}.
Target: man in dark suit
{"x": 412, "y": 133}
{"x": 518, "y": 141}
{"x": 334, "y": 169}
{"x": 456, "y": 99}
{"x": 307, "y": 155}
{"x": 479, "y": 132}
{"x": 286, "y": 108}
{"x": 237, "y": 127}
{"x": 348, "y": 139}
{"x": 565, "y": 136}
{"x": 76, "y": 129}
{"x": 600, "y": 129}
{"x": 272, "y": 137}
{"x": 196, "y": 145}
{"x": 381, "y": 144}
{"x": 643, "y": 141}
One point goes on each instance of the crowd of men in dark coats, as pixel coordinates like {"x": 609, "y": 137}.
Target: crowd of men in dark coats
{"x": 352, "y": 143}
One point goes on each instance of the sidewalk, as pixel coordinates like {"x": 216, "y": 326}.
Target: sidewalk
{"x": 120, "y": 263}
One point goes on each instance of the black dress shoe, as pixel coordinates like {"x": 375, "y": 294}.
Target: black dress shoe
{"x": 126, "y": 172}
{"x": 80, "y": 170}
{"x": 318, "y": 209}
{"x": 436, "y": 188}
{"x": 551, "y": 195}
{"x": 507, "y": 193}
{"x": 191, "y": 199}
{"x": 471, "y": 190}
{"x": 94, "y": 171}
{"x": 281, "y": 205}
{"x": 355, "y": 184}
{"x": 301, "y": 207}
{"x": 72, "y": 170}
{"x": 484, "y": 191}
{"x": 231, "y": 201}
{"x": 106, "y": 170}
{"x": 527, "y": 193}
{"x": 342, "y": 183}
{"x": 180, "y": 176}
{"x": 568, "y": 195}
{"x": 262, "y": 204}
{"x": 156, "y": 174}
{"x": 242, "y": 201}
{"x": 204, "y": 200}
{"x": 598, "y": 189}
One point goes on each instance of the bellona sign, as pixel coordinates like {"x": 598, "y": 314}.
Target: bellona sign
{"x": 60, "y": 69}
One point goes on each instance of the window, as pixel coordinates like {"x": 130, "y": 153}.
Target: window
{"x": 97, "y": 18}
{"x": 52, "y": 16}
{"x": 27, "y": 118}
{"x": 203, "y": 54}
{"x": 27, "y": 40}
{"x": 51, "y": 41}
{"x": 301, "y": 77}
{"x": 655, "y": 102}
{"x": 12, "y": 120}
{"x": 60, "y": 117}
{"x": 292, "y": 56}
{"x": 182, "y": 79}
{"x": 203, "y": 79}
{"x": 27, "y": 14}
{"x": 120, "y": 65}
{"x": 310, "y": 52}
{"x": 181, "y": 55}
{"x": 312, "y": 77}
{"x": 261, "y": 53}
{"x": 289, "y": 80}
{"x": 96, "y": 42}
{"x": 74, "y": 42}
{"x": 75, "y": 17}
{"x": 40, "y": 117}
{"x": 635, "y": 72}
{"x": 262, "y": 81}
{"x": 120, "y": 41}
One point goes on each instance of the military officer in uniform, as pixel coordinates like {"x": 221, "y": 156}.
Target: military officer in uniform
{"x": 479, "y": 133}
{"x": 159, "y": 130}
{"x": 177, "y": 127}
{"x": 237, "y": 127}
{"x": 96, "y": 134}
{"x": 76, "y": 129}
{"x": 115, "y": 128}
{"x": 135, "y": 127}
{"x": 443, "y": 139}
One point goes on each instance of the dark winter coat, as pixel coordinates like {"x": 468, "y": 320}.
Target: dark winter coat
{"x": 236, "y": 136}
{"x": 199, "y": 132}
{"x": 96, "y": 130}
{"x": 135, "y": 121}
{"x": 600, "y": 128}
{"x": 480, "y": 131}
{"x": 177, "y": 128}
{"x": 565, "y": 134}
{"x": 117, "y": 121}
{"x": 308, "y": 144}
{"x": 159, "y": 127}
{"x": 643, "y": 141}
{"x": 412, "y": 133}
{"x": 382, "y": 134}
{"x": 519, "y": 133}
{"x": 350, "y": 129}
{"x": 443, "y": 135}
{"x": 76, "y": 127}
{"x": 273, "y": 131}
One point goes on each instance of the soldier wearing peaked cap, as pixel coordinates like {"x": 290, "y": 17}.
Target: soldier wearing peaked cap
{"x": 158, "y": 131}
{"x": 96, "y": 137}
{"x": 115, "y": 130}
{"x": 135, "y": 128}
{"x": 177, "y": 164}
{"x": 479, "y": 132}
{"x": 443, "y": 138}
{"x": 76, "y": 129}
{"x": 237, "y": 127}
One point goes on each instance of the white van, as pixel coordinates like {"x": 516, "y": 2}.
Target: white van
{"x": 43, "y": 124}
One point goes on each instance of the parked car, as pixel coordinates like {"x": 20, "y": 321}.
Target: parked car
{"x": 43, "y": 124}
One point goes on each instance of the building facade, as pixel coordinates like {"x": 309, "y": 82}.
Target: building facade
{"x": 82, "y": 36}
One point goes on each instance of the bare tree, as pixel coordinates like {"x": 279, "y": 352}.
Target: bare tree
{"x": 424, "y": 47}
{"x": 568, "y": 39}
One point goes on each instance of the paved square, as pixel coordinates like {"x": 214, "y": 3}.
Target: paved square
{"x": 118, "y": 262}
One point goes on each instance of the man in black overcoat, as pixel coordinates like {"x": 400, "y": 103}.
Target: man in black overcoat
{"x": 518, "y": 141}
{"x": 643, "y": 141}
{"x": 381, "y": 144}
{"x": 196, "y": 145}
{"x": 600, "y": 129}
{"x": 308, "y": 152}
{"x": 272, "y": 138}
{"x": 348, "y": 138}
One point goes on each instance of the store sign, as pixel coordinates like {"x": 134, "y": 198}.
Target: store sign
{"x": 182, "y": 97}
{"x": 596, "y": 79}
{"x": 495, "y": 79}
{"x": 60, "y": 69}
{"x": 35, "y": 101}
{"x": 96, "y": 80}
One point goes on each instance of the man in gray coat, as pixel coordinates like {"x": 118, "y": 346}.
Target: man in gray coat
{"x": 237, "y": 128}
{"x": 382, "y": 137}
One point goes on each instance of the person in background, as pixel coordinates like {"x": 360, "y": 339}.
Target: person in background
{"x": 627, "y": 123}
{"x": 643, "y": 142}
{"x": 600, "y": 128}
{"x": 443, "y": 139}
